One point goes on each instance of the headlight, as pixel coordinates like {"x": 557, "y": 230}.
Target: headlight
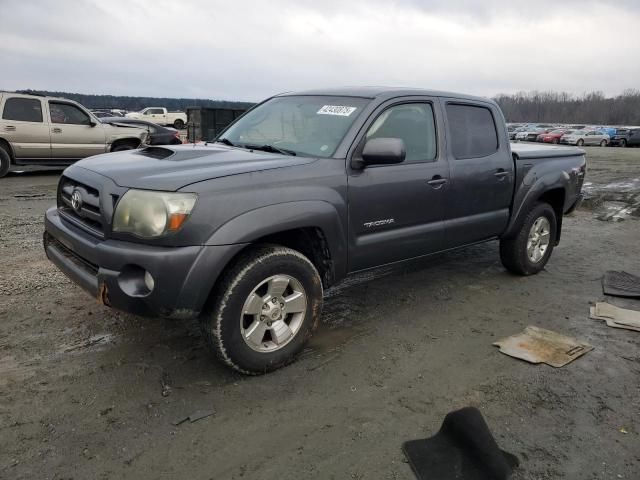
{"x": 150, "y": 214}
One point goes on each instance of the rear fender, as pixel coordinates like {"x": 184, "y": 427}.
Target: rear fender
{"x": 527, "y": 196}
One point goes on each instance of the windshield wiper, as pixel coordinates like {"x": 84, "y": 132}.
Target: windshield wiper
{"x": 270, "y": 148}
{"x": 226, "y": 141}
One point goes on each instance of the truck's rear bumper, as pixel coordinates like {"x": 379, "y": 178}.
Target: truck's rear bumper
{"x": 113, "y": 271}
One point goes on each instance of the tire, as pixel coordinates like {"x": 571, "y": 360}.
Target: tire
{"x": 603, "y": 143}
{"x": 580, "y": 143}
{"x": 513, "y": 250}
{"x": 178, "y": 124}
{"x": 121, "y": 147}
{"x": 5, "y": 162}
{"x": 231, "y": 317}
{"x": 622, "y": 143}
{"x": 555, "y": 141}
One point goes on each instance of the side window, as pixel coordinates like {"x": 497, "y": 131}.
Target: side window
{"x": 23, "y": 110}
{"x": 155, "y": 111}
{"x": 472, "y": 130}
{"x": 414, "y": 124}
{"x": 68, "y": 114}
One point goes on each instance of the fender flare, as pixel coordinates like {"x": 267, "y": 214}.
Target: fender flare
{"x": 270, "y": 219}
{"x": 551, "y": 181}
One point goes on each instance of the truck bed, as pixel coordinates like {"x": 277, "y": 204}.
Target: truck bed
{"x": 524, "y": 151}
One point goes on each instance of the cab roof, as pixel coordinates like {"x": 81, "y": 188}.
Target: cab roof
{"x": 383, "y": 93}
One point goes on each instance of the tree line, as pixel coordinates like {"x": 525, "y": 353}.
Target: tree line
{"x": 97, "y": 102}
{"x": 563, "y": 107}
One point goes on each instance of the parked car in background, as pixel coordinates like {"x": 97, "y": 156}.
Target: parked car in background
{"x": 552, "y": 137}
{"x": 530, "y": 135}
{"x": 40, "y": 130}
{"x": 585, "y": 137}
{"x": 108, "y": 112}
{"x": 157, "y": 135}
{"x": 626, "y": 137}
{"x": 161, "y": 116}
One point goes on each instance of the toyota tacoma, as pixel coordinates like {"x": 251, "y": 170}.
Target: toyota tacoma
{"x": 300, "y": 192}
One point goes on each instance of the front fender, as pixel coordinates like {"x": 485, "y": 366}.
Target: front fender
{"x": 281, "y": 217}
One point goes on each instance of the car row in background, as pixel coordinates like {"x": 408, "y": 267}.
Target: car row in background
{"x": 579, "y": 135}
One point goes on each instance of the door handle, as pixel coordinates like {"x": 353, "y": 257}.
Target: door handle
{"x": 501, "y": 173}
{"x": 437, "y": 181}
{"x": 9, "y": 128}
{"x": 56, "y": 130}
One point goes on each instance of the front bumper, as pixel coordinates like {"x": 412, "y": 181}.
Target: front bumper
{"x": 112, "y": 271}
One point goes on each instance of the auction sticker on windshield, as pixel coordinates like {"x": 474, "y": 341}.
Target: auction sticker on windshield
{"x": 336, "y": 110}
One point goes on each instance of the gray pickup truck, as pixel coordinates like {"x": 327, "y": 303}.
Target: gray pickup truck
{"x": 297, "y": 194}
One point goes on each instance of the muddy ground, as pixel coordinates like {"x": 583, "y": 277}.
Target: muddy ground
{"x": 86, "y": 392}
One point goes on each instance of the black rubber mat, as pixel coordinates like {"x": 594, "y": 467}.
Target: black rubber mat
{"x": 463, "y": 449}
{"x": 621, "y": 284}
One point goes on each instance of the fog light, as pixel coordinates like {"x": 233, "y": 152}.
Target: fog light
{"x": 149, "y": 281}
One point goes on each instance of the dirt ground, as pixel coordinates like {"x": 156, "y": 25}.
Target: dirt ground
{"x": 86, "y": 392}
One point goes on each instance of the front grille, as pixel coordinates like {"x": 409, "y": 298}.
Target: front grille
{"x": 88, "y": 216}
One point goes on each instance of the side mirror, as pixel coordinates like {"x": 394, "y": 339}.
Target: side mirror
{"x": 92, "y": 123}
{"x": 383, "y": 151}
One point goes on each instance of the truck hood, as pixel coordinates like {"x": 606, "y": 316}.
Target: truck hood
{"x": 171, "y": 168}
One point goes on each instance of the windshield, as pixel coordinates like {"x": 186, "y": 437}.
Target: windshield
{"x": 306, "y": 125}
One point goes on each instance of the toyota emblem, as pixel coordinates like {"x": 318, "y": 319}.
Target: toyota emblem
{"x": 76, "y": 201}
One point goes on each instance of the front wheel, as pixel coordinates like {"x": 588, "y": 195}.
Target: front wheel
{"x": 603, "y": 143}
{"x": 623, "y": 143}
{"x": 264, "y": 310}
{"x": 528, "y": 251}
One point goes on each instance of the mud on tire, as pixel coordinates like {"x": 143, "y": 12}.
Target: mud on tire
{"x": 513, "y": 250}
{"x": 225, "y": 322}
{"x": 5, "y": 162}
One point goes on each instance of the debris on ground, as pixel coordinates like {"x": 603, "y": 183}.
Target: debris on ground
{"x": 195, "y": 416}
{"x": 621, "y": 284}
{"x": 537, "y": 345}
{"x": 463, "y": 449}
{"x": 616, "y": 317}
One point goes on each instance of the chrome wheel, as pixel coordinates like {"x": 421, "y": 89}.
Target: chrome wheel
{"x": 539, "y": 239}
{"x": 273, "y": 313}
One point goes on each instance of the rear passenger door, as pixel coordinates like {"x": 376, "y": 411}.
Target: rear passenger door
{"x": 396, "y": 211}
{"x": 23, "y": 126}
{"x": 482, "y": 172}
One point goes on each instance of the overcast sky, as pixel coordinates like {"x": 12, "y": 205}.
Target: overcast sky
{"x": 241, "y": 50}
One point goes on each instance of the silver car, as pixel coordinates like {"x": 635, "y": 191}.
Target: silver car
{"x": 585, "y": 137}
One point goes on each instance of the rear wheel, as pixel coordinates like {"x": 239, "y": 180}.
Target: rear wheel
{"x": 603, "y": 143}
{"x": 580, "y": 143}
{"x": 5, "y": 162}
{"x": 264, "y": 310}
{"x": 178, "y": 124}
{"x": 528, "y": 251}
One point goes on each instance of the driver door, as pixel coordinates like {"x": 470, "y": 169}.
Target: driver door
{"x": 396, "y": 211}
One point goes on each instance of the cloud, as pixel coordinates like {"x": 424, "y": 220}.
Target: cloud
{"x": 249, "y": 50}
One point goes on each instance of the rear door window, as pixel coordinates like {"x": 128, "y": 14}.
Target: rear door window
{"x": 472, "y": 130}
{"x": 23, "y": 110}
